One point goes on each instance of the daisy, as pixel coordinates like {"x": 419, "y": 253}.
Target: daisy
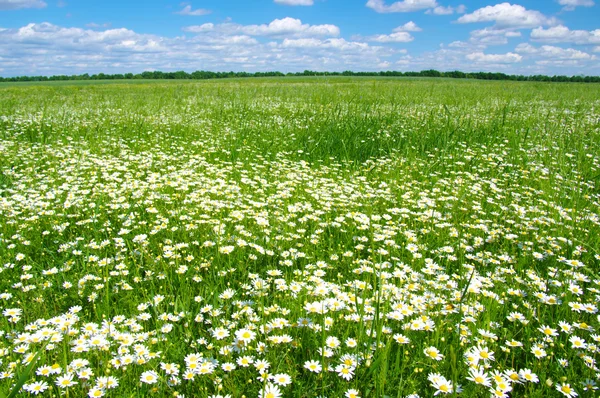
{"x": 281, "y": 379}
{"x": 228, "y": 366}
{"x": 527, "y": 375}
{"x": 479, "y": 376}
{"x": 345, "y": 372}
{"x": 352, "y": 393}
{"x": 96, "y": 392}
{"x": 65, "y": 381}
{"x": 433, "y": 353}
{"x": 270, "y": 391}
{"x": 566, "y": 390}
{"x": 149, "y": 377}
{"x": 313, "y": 366}
{"x": 245, "y": 335}
{"x": 36, "y": 387}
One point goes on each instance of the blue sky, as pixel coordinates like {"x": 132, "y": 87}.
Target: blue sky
{"x": 45, "y": 37}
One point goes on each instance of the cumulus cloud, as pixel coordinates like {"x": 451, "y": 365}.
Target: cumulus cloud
{"x": 508, "y": 58}
{"x": 562, "y": 34}
{"x": 507, "y": 15}
{"x": 50, "y": 36}
{"x": 94, "y": 25}
{"x": 187, "y": 10}
{"x": 398, "y": 35}
{"x": 295, "y": 2}
{"x": 18, "y": 4}
{"x": 493, "y": 36}
{"x": 50, "y": 49}
{"x": 339, "y": 44}
{"x": 553, "y": 52}
{"x": 441, "y": 10}
{"x": 286, "y": 27}
{"x": 401, "y": 6}
{"x": 485, "y": 32}
{"x": 557, "y": 56}
{"x": 569, "y": 5}
{"x": 410, "y": 26}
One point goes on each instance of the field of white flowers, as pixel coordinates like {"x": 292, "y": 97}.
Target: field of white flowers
{"x": 300, "y": 238}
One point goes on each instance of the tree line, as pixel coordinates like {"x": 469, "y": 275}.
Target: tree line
{"x": 201, "y": 75}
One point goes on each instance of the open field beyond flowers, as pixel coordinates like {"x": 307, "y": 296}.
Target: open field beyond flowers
{"x": 289, "y": 237}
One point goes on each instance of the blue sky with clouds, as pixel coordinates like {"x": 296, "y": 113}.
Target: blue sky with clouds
{"x": 45, "y": 37}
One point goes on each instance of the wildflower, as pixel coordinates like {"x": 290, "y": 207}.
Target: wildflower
{"x": 589, "y": 385}
{"x": 401, "y": 339}
{"x": 352, "y": 393}
{"x": 228, "y": 366}
{"x": 566, "y": 390}
{"x": 36, "y": 387}
{"x": 577, "y": 342}
{"x": 245, "y": 361}
{"x": 332, "y": 342}
{"x": 548, "y": 331}
{"x": 281, "y": 379}
{"x": 345, "y": 372}
{"x": 149, "y": 377}
{"x": 65, "y": 381}
{"x": 313, "y": 366}
{"x": 245, "y": 335}
{"x": 479, "y": 376}
{"x": 483, "y": 353}
{"x": 538, "y": 352}
{"x": 433, "y": 353}
{"x": 270, "y": 391}
{"x": 527, "y": 375}
{"x": 96, "y": 392}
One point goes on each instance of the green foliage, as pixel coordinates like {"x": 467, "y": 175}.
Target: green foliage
{"x": 371, "y": 235}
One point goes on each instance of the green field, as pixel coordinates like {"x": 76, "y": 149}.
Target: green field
{"x": 300, "y": 237}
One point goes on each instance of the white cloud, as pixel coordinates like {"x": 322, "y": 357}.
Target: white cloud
{"x": 569, "y": 5}
{"x": 408, "y": 27}
{"x": 397, "y": 37}
{"x": 401, "y": 6}
{"x": 206, "y": 27}
{"x": 494, "y": 32}
{"x": 553, "y": 52}
{"x": 596, "y": 49}
{"x": 508, "y": 58}
{"x": 441, "y": 10}
{"x": 295, "y": 2}
{"x": 337, "y": 44}
{"x": 286, "y": 27}
{"x": 562, "y": 34}
{"x": 507, "y": 15}
{"x": 187, "y": 10}
{"x": 493, "y": 36}
{"x": 51, "y": 36}
{"x": 48, "y": 49}
{"x": 94, "y": 25}
{"x": 18, "y": 4}
{"x": 459, "y": 44}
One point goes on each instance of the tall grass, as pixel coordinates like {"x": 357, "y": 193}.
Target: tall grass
{"x": 325, "y": 237}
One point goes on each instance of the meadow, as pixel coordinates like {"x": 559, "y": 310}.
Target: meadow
{"x": 300, "y": 237}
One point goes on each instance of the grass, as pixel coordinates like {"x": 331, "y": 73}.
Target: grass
{"x": 300, "y": 237}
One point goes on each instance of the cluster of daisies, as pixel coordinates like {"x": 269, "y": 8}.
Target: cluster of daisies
{"x": 167, "y": 268}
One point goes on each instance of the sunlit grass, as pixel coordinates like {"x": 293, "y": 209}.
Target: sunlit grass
{"x": 300, "y": 237}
